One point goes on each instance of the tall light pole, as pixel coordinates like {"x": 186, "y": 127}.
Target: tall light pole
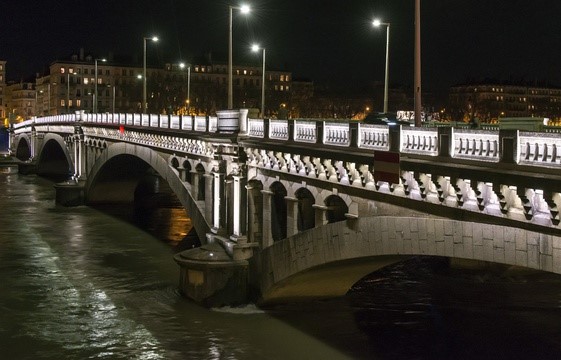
{"x": 377, "y": 23}
{"x": 244, "y": 9}
{"x": 256, "y": 48}
{"x": 67, "y": 91}
{"x": 153, "y": 38}
{"x": 418, "y": 106}
{"x": 182, "y": 66}
{"x": 95, "y": 85}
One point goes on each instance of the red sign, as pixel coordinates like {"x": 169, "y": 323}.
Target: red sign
{"x": 386, "y": 167}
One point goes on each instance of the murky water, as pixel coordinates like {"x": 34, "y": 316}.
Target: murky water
{"x": 77, "y": 283}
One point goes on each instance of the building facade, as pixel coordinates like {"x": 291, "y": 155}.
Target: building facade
{"x": 199, "y": 89}
{"x": 490, "y": 101}
{"x": 20, "y": 100}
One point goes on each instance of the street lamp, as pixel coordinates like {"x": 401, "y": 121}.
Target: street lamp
{"x": 68, "y": 91}
{"x": 154, "y": 39}
{"x": 256, "y": 48}
{"x": 377, "y": 23}
{"x": 95, "y": 85}
{"x": 418, "y": 106}
{"x": 182, "y": 65}
{"x": 244, "y": 9}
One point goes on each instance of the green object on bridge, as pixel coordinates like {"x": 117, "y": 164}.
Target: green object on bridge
{"x": 522, "y": 123}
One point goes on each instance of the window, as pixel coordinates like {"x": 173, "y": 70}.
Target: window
{"x": 282, "y": 78}
{"x": 106, "y": 72}
{"x": 85, "y": 71}
{"x": 62, "y": 103}
{"x": 78, "y": 103}
{"x": 99, "y": 81}
{"x": 245, "y": 72}
{"x": 62, "y": 70}
{"x": 86, "y": 81}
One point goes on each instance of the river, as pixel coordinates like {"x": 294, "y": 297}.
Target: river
{"x": 80, "y": 283}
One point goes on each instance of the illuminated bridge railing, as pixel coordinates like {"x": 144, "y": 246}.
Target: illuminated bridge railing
{"x": 538, "y": 149}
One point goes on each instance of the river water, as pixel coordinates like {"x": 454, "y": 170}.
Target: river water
{"x": 79, "y": 283}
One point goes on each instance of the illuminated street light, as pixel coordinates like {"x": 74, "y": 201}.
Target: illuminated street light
{"x": 144, "y": 105}
{"x": 182, "y": 66}
{"x": 95, "y": 85}
{"x": 244, "y": 9}
{"x": 68, "y": 90}
{"x": 377, "y": 23}
{"x": 256, "y": 48}
{"x": 418, "y": 106}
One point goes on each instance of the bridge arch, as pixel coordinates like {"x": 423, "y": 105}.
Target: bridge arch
{"x": 328, "y": 260}
{"x": 53, "y": 158}
{"x": 306, "y": 218}
{"x": 115, "y": 175}
{"x": 23, "y": 147}
{"x": 279, "y": 211}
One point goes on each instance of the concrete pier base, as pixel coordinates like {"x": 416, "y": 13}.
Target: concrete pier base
{"x": 209, "y": 276}
{"x": 70, "y": 193}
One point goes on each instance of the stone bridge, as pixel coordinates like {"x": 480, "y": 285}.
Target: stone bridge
{"x": 296, "y": 209}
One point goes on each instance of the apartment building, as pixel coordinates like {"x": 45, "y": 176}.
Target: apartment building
{"x": 489, "y": 101}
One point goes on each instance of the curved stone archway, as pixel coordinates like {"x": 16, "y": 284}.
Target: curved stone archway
{"x": 326, "y": 261}
{"x": 110, "y": 179}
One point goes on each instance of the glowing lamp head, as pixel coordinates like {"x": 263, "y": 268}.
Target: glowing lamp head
{"x": 254, "y": 47}
{"x": 155, "y": 39}
{"x": 245, "y": 9}
{"x": 376, "y": 22}
{"x": 182, "y": 65}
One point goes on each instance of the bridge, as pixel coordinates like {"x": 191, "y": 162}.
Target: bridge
{"x": 296, "y": 209}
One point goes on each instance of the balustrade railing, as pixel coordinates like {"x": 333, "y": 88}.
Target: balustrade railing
{"x": 539, "y": 149}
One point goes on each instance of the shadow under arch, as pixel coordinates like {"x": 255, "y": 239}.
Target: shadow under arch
{"x": 278, "y": 211}
{"x": 53, "y": 160}
{"x": 137, "y": 176}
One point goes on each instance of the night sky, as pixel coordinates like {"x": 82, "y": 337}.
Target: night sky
{"x": 329, "y": 42}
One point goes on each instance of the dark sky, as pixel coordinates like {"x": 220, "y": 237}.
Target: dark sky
{"x": 326, "y": 41}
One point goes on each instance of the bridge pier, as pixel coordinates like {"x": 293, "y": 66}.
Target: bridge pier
{"x": 70, "y": 193}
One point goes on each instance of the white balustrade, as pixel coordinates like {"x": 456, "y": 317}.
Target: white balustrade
{"x": 375, "y": 137}
{"x": 305, "y": 131}
{"x": 421, "y": 141}
{"x": 539, "y": 149}
{"x": 476, "y": 145}
{"x": 256, "y": 128}
{"x": 336, "y": 134}
{"x": 278, "y": 129}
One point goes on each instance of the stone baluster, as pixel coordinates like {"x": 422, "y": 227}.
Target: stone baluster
{"x": 321, "y": 214}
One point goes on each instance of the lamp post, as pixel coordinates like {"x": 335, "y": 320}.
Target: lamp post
{"x": 68, "y": 91}
{"x": 154, "y": 38}
{"x": 95, "y": 85}
{"x": 256, "y": 48}
{"x": 377, "y": 23}
{"x": 244, "y": 9}
{"x": 113, "y": 102}
{"x": 418, "y": 106}
{"x": 182, "y": 66}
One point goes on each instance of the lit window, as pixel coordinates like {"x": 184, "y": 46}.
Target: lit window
{"x": 196, "y": 69}
{"x": 286, "y": 87}
{"x": 237, "y": 72}
{"x": 78, "y": 103}
{"x": 70, "y": 103}
{"x": 86, "y": 81}
{"x": 62, "y": 103}
{"x": 245, "y": 72}
{"x": 62, "y": 70}
{"x": 282, "y": 78}
{"x": 203, "y": 69}
{"x": 71, "y": 70}
{"x": 99, "y": 81}
{"x": 282, "y": 87}
{"x": 287, "y": 79}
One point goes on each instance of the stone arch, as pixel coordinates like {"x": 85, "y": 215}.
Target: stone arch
{"x": 23, "y": 148}
{"x": 186, "y": 164}
{"x": 336, "y": 209}
{"x": 174, "y": 162}
{"x": 306, "y": 212}
{"x": 278, "y": 211}
{"x": 99, "y": 187}
{"x": 328, "y": 260}
{"x": 201, "y": 188}
{"x": 53, "y": 158}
